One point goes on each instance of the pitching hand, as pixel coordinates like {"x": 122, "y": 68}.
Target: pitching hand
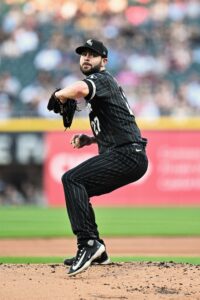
{"x": 81, "y": 140}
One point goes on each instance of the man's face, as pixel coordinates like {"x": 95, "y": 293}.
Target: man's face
{"x": 91, "y": 62}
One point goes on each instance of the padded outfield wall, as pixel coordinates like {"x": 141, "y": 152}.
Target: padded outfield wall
{"x": 41, "y": 145}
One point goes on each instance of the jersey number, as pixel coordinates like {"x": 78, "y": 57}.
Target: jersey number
{"x": 96, "y": 125}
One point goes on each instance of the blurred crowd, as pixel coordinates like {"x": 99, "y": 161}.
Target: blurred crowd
{"x": 154, "y": 52}
{"x": 16, "y": 189}
{"x": 10, "y": 194}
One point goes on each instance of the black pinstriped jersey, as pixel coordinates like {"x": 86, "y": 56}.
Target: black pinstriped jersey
{"x": 111, "y": 119}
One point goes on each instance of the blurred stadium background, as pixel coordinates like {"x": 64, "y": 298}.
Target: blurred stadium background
{"x": 154, "y": 52}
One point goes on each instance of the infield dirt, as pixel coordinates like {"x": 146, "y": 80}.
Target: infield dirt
{"x": 133, "y": 280}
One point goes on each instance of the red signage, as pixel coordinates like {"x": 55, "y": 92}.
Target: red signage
{"x": 173, "y": 176}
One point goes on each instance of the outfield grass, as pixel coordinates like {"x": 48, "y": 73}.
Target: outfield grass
{"x": 53, "y": 260}
{"x": 18, "y": 222}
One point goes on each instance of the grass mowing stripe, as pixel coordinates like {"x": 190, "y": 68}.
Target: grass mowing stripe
{"x": 45, "y": 260}
{"x": 32, "y": 221}
{"x": 155, "y": 221}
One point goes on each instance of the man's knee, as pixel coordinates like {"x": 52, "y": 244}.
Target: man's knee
{"x": 67, "y": 177}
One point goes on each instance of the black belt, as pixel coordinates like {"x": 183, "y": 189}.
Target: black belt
{"x": 135, "y": 144}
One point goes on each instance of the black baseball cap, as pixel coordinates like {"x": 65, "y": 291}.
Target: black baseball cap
{"x": 95, "y": 46}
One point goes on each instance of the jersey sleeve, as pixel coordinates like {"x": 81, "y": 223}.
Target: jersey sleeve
{"x": 98, "y": 86}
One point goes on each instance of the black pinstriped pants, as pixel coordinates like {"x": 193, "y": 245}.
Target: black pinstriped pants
{"x": 99, "y": 175}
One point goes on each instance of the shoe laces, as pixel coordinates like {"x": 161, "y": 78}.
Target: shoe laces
{"x": 78, "y": 254}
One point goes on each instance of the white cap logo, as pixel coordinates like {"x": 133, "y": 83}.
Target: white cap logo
{"x": 90, "y": 42}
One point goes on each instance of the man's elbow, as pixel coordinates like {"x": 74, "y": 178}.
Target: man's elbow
{"x": 76, "y": 91}
{"x": 81, "y": 89}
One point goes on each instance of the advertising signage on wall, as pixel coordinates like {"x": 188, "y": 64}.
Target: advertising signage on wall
{"x": 33, "y": 163}
{"x": 21, "y": 148}
{"x": 21, "y": 168}
{"x": 173, "y": 176}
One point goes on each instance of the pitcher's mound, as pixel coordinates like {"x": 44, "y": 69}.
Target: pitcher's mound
{"x": 152, "y": 281}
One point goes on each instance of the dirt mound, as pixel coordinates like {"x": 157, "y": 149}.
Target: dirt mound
{"x": 152, "y": 281}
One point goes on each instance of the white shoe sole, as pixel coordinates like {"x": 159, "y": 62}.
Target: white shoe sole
{"x": 106, "y": 262}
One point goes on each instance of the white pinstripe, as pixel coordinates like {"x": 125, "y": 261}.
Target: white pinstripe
{"x": 96, "y": 176}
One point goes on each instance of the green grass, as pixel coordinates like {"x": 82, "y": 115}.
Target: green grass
{"x": 53, "y": 260}
{"x": 20, "y": 222}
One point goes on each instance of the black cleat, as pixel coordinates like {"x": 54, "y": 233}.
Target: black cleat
{"x": 101, "y": 260}
{"x": 85, "y": 255}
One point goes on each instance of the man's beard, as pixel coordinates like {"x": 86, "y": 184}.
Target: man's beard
{"x": 92, "y": 70}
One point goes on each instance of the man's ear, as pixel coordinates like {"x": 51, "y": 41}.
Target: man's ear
{"x": 104, "y": 61}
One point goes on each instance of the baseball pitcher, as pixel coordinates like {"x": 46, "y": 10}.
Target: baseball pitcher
{"x": 121, "y": 159}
